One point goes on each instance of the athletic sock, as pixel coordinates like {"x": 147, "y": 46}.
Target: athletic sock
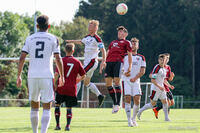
{"x": 69, "y": 117}
{"x": 168, "y": 109}
{"x": 135, "y": 111}
{"x": 57, "y": 115}
{"x": 145, "y": 107}
{"x": 128, "y": 111}
{"x": 112, "y": 94}
{"x": 46, "y": 117}
{"x": 118, "y": 93}
{"x": 34, "y": 115}
{"x": 78, "y": 87}
{"x": 159, "y": 107}
{"x": 94, "y": 89}
{"x": 165, "y": 110}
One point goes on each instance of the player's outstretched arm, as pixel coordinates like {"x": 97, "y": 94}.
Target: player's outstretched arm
{"x": 168, "y": 84}
{"x": 171, "y": 77}
{"x": 103, "y": 62}
{"x": 59, "y": 64}
{"x": 20, "y": 68}
{"x": 74, "y": 41}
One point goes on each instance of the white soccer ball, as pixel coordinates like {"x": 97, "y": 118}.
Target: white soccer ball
{"x": 121, "y": 9}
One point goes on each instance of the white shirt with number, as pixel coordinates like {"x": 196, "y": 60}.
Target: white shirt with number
{"x": 41, "y": 47}
{"x": 138, "y": 61}
{"x": 91, "y": 47}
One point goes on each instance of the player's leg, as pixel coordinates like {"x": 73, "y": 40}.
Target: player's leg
{"x": 136, "y": 93}
{"x": 117, "y": 74}
{"x": 154, "y": 97}
{"x": 163, "y": 99}
{"x": 70, "y": 102}
{"x": 35, "y": 103}
{"x": 170, "y": 99}
{"x": 47, "y": 96}
{"x": 127, "y": 99}
{"x": 90, "y": 68}
{"x": 58, "y": 102}
{"x": 111, "y": 90}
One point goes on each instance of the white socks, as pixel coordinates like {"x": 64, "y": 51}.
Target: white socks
{"x": 128, "y": 111}
{"x": 94, "y": 89}
{"x": 145, "y": 107}
{"x": 46, "y": 117}
{"x": 135, "y": 110}
{"x": 34, "y": 115}
{"x": 165, "y": 110}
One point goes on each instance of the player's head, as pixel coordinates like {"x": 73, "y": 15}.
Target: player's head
{"x": 167, "y": 57}
{"x": 69, "y": 48}
{"x": 135, "y": 44}
{"x": 93, "y": 26}
{"x": 161, "y": 60}
{"x": 122, "y": 32}
{"x": 43, "y": 22}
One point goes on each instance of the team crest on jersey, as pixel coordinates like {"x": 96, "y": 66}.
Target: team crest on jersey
{"x": 138, "y": 59}
{"x": 121, "y": 41}
{"x": 115, "y": 45}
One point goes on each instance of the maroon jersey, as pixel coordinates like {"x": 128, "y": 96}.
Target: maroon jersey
{"x": 117, "y": 50}
{"x": 72, "y": 67}
{"x": 167, "y": 77}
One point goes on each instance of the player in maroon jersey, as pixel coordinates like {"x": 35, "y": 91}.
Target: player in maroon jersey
{"x": 68, "y": 93}
{"x": 169, "y": 77}
{"x": 115, "y": 55}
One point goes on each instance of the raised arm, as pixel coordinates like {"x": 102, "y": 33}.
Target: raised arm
{"x": 20, "y": 68}
{"x": 74, "y": 41}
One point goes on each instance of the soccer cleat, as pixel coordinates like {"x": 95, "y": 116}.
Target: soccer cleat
{"x": 130, "y": 124}
{"x": 101, "y": 99}
{"x": 167, "y": 120}
{"x": 135, "y": 124}
{"x": 115, "y": 109}
{"x": 67, "y": 128}
{"x": 155, "y": 112}
{"x": 138, "y": 115}
{"x": 57, "y": 128}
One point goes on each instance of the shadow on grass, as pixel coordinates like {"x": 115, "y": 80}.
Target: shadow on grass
{"x": 10, "y": 130}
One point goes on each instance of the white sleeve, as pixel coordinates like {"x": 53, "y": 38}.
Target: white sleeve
{"x": 26, "y": 47}
{"x": 143, "y": 64}
{"x": 56, "y": 46}
{"x": 83, "y": 40}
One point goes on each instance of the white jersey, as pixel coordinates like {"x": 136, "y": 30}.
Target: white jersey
{"x": 41, "y": 46}
{"x": 138, "y": 61}
{"x": 91, "y": 47}
{"x": 160, "y": 76}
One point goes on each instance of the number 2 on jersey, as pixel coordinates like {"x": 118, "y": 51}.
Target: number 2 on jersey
{"x": 37, "y": 50}
{"x": 70, "y": 69}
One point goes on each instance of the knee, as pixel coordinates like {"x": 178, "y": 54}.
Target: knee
{"x": 116, "y": 82}
{"x": 172, "y": 103}
{"x": 86, "y": 82}
{"x": 127, "y": 99}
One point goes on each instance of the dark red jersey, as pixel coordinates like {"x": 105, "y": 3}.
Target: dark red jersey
{"x": 72, "y": 67}
{"x": 117, "y": 50}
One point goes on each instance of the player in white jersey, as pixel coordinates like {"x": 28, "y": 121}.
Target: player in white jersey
{"x": 157, "y": 88}
{"x": 131, "y": 82}
{"x": 41, "y": 47}
{"x": 93, "y": 44}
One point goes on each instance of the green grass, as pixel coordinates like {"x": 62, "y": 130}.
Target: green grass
{"x": 16, "y": 120}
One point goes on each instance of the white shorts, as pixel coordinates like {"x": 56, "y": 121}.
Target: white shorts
{"x": 90, "y": 67}
{"x": 41, "y": 89}
{"x": 157, "y": 94}
{"x": 131, "y": 88}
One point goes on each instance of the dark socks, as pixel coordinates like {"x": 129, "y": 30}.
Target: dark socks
{"x": 118, "y": 93}
{"x": 57, "y": 115}
{"x": 69, "y": 117}
{"x": 112, "y": 92}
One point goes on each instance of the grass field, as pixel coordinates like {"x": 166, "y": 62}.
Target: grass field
{"x": 16, "y": 120}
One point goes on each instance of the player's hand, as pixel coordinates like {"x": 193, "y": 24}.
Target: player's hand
{"x": 172, "y": 87}
{"x": 67, "y": 41}
{"x": 102, "y": 66}
{"x": 19, "y": 81}
{"x": 162, "y": 88}
{"x": 61, "y": 82}
{"x": 127, "y": 74}
{"x": 172, "y": 75}
{"x": 133, "y": 79}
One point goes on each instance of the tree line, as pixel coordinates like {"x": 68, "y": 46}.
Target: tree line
{"x": 161, "y": 26}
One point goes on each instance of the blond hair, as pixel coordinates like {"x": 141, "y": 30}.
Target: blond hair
{"x": 95, "y": 22}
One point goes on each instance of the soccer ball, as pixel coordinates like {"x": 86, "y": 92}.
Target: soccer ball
{"x": 121, "y": 9}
